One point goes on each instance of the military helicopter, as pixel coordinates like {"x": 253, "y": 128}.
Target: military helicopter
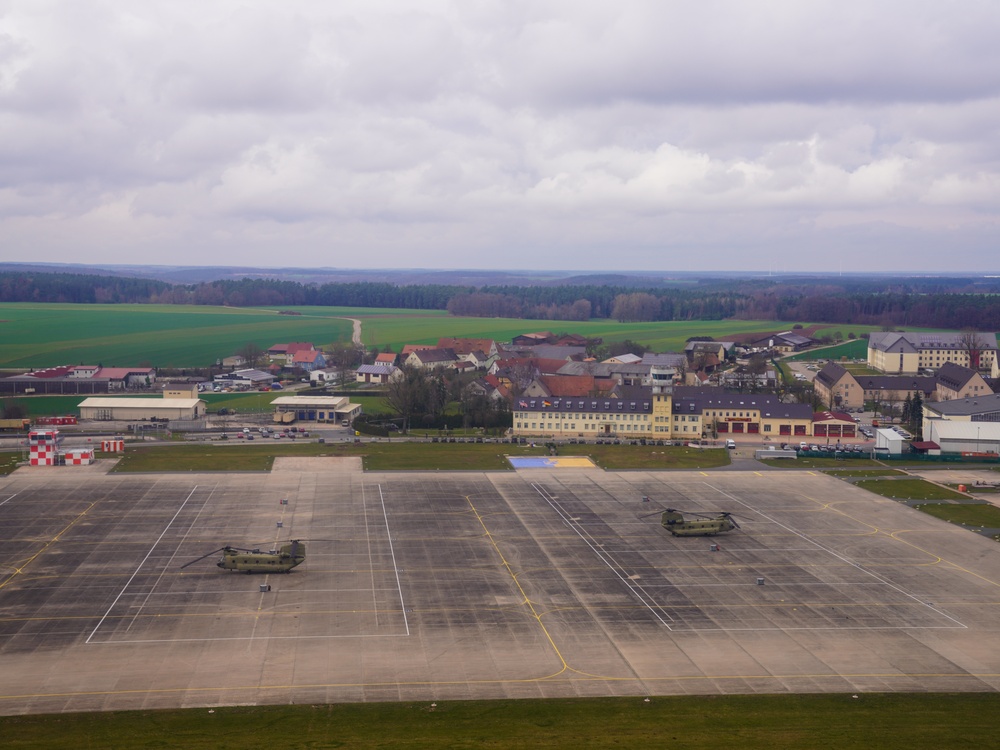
{"x": 700, "y": 524}
{"x": 280, "y": 560}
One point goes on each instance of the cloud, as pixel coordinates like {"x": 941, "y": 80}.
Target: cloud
{"x": 485, "y": 133}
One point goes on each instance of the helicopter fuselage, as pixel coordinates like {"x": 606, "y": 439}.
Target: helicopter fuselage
{"x": 255, "y": 561}
{"x": 677, "y": 525}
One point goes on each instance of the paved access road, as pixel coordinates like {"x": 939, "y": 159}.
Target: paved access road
{"x": 436, "y": 585}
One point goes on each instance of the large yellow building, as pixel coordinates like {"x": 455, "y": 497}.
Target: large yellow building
{"x": 684, "y": 414}
{"x": 908, "y": 353}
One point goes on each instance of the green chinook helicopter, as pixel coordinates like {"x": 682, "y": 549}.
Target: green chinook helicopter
{"x": 280, "y": 560}
{"x": 699, "y": 524}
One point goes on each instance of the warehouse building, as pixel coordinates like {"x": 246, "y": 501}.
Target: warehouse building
{"x": 105, "y": 409}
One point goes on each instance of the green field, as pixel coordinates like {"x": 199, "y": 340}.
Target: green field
{"x": 46, "y": 335}
{"x": 750, "y": 722}
{"x": 36, "y": 336}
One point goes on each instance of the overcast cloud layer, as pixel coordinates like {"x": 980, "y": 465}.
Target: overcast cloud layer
{"x": 784, "y": 135}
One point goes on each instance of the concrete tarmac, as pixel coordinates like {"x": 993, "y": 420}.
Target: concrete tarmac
{"x": 467, "y": 585}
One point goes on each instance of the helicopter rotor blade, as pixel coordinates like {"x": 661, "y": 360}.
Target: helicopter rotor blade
{"x": 732, "y": 519}
{"x": 207, "y": 554}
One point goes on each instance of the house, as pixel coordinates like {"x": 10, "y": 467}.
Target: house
{"x": 308, "y": 360}
{"x": 720, "y": 349}
{"x": 386, "y": 358}
{"x": 906, "y": 353}
{"x": 532, "y": 339}
{"x": 623, "y": 359}
{"x": 284, "y": 354}
{"x": 836, "y": 387}
{"x": 461, "y": 347}
{"x": 408, "y": 349}
{"x": 490, "y": 387}
{"x": 234, "y": 362}
{"x": 375, "y": 374}
{"x": 893, "y": 389}
{"x": 324, "y": 375}
{"x": 478, "y": 359}
{"x": 431, "y": 359}
{"x": 955, "y": 381}
{"x": 544, "y": 351}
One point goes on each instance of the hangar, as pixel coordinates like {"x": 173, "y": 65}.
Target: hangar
{"x": 135, "y": 409}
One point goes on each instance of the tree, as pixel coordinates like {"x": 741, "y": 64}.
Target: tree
{"x": 404, "y": 393}
{"x": 251, "y": 353}
{"x": 917, "y": 414}
{"x": 973, "y": 345}
{"x": 416, "y": 392}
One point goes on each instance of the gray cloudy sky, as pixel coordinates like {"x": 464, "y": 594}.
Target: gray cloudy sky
{"x": 664, "y": 135}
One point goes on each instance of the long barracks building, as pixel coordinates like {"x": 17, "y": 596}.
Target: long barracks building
{"x": 637, "y": 412}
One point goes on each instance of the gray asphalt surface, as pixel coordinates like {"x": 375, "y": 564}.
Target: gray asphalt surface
{"x": 477, "y": 585}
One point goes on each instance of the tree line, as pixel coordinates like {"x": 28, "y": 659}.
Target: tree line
{"x": 959, "y": 304}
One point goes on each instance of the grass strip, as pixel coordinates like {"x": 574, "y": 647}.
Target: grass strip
{"x": 866, "y": 473}
{"x": 909, "y": 489}
{"x": 766, "y": 722}
{"x": 966, "y": 514}
{"x": 400, "y": 455}
{"x": 808, "y": 462}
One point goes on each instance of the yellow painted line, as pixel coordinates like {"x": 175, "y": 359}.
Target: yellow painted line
{"x": 524, "y": 594}
{"x": 53, "y": 540}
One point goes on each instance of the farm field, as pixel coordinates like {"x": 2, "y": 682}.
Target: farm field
{"x": 46, "y": 335}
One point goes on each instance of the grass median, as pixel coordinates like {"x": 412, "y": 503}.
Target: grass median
{"x": 405, "y": 455}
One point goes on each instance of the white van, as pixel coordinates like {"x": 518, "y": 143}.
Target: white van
{"x": 730, "y": 443}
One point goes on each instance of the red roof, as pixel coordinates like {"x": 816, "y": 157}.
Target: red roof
{"x": 410, "y": 348}
{"x": 575, "y": 386}
{"x": 832, "y": 416}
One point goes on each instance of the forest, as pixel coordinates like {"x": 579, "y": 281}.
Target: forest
{"x": 920, "y": 302}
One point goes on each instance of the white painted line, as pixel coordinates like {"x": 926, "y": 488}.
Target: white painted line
{"x": 170, "y": 558}
{"x": 638, "y": 591}
{"x": 368, "y": 542}
{"x": 11, "y": 497}
{"x": 132, "y": 577}
{"x": 395, "y": 568}
{"x": 843, "y": 558}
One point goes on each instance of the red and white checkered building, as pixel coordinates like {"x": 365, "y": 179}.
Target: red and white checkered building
{"x": 43, "y": 450}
